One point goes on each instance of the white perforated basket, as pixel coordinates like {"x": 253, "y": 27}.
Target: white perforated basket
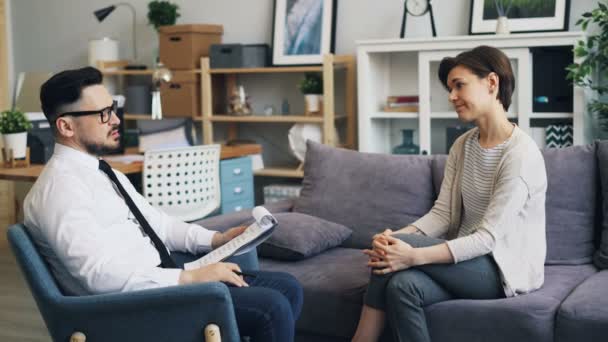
{"x": 184, "y": 182}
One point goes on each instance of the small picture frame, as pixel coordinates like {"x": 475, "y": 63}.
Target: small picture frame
{"x": 523, "y": 16}
{"x": 303, "y": 31}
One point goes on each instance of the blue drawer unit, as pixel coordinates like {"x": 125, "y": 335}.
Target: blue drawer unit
{"x": 236, "y": 170}
{"x": 236, "y": 182}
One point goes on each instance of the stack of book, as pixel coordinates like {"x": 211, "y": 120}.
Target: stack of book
{"x": 278, "y": 192}
{"x": 404, "y": 103}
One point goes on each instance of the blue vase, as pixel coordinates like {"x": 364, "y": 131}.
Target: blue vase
{"x": 408, "y": 146}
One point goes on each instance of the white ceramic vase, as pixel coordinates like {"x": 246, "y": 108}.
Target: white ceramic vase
{"x": 313, "y": 102}
{"x": 502, "y": 25}
{"x": 16, "y": 142}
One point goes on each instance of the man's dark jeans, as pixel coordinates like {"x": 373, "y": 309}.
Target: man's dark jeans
{"x": 266, "y": 311}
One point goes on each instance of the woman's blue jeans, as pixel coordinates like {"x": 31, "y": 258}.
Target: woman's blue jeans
{"x": 404, "y": 294}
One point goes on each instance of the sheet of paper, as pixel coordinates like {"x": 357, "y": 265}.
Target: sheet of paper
{"x": 255, "y": 234}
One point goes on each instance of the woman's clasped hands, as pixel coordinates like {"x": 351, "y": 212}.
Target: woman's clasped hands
{"x": 389, "y": 254}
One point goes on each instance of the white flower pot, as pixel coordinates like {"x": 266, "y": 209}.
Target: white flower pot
{"x": 502, "y": 25}
{"x": 313, "y": 102}
{"x": 17, "y": 142}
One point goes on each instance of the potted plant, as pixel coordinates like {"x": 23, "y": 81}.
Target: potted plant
{"x": 312, "y": 88}
{"x": 592, "y": 72}
{"x": 14, "y": 126}
{"x": 161, "y": 13}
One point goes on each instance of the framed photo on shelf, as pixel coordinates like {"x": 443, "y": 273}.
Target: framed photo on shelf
{"x": 523, "y": 15}
{"x": 303, "y": 31}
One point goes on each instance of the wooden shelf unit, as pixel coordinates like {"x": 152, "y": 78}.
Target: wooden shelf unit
{"x": 327, "y": 120}
{"x": 280, "y": 172}
{"x": 269, "y": 119}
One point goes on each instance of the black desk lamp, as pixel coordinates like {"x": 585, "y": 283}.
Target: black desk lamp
{"x": 102, "y": 13}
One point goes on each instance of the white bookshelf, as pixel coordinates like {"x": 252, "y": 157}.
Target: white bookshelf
{"x": 409, "y": 67}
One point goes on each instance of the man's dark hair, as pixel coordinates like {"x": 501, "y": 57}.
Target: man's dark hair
{"x": 65, "y": 88}
{"x": 483, "y": 60}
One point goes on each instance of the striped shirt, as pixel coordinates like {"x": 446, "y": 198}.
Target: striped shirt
{"x": 477, "y": 180}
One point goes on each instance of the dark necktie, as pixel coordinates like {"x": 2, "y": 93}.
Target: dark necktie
{"x": 166, "y": 261}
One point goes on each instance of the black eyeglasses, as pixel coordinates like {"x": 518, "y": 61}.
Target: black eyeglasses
{"x": 105, "y": 114}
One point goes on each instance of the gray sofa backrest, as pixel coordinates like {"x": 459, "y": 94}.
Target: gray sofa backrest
{"x": 572, "y": 193}
{"x": 368, "y": 192}
{"x": 601, "y": 255}
{"x": 572, "y": 196}
{"x": 363, "y": 191}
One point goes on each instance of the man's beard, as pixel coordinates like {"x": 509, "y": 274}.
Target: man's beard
{"x": 98, "y": 149}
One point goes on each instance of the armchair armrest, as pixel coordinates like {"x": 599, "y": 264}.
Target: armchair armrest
{"x": 163, "y": 314}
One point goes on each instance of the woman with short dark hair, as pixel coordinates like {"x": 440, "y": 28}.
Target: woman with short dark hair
{"x": 484, "y": 238}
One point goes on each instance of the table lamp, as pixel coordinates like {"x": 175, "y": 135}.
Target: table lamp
{"x": 102, "y": 13}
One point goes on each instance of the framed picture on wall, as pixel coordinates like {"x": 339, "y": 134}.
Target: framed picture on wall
{"x": 523, "y": 15}
{"x": 303, "y": 31}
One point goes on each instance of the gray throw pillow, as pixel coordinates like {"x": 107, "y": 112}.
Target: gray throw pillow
{"x": 600, "y": 259}
{"x": 300, "y": 236}
{"x": 366, "y": 192}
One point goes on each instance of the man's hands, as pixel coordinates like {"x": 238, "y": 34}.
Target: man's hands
{"x": 390, "y": 254}
{"x": 221, "y": 271}
{"x": 221, "y": 238}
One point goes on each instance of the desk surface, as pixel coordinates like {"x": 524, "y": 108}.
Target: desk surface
{"x": 31, "y": 173}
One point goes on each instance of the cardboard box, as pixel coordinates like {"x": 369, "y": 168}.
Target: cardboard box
{"x": 182, "y": 46}
{"x": 181, "y": 97}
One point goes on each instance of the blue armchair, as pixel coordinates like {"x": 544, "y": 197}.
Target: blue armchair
{"x": 164, "y": 314}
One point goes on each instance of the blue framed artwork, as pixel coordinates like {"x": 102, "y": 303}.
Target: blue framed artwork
{"x": 523, "y": 15}
{"x": 303, "y": 31}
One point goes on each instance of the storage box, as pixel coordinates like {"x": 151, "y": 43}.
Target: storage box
{"x": 181, "y": 97}
{"x": 239, "y": 56}
{"x": 182, "y": 46}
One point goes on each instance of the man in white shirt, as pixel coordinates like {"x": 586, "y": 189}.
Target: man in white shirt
{"x": 78, "y": 213}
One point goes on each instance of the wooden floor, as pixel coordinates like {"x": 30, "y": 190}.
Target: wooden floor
{"x": 19, "y": 316}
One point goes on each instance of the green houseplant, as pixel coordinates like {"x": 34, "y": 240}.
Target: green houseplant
{"x": 312, "y": 88}
{"x": 14, "y": 126}
{"x": 311, "y": 84}
{"x": 592, "y": 71}
{"x": 161, "y": 13}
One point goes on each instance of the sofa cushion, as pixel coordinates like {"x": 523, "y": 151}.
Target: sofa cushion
{"x": 570, "y": 205}
{"x": 583, "y": 316}
{"x": 366, "y": 192}
{"x": 527, "y": 317}
{"x": 299, "y": 236}
{"x": 334, "y": 283}
{"x": 601, "y": 255}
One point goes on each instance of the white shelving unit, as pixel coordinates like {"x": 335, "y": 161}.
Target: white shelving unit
{"x": 409, "y": 67}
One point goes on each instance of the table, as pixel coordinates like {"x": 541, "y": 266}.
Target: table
{"x": 31, "y": 173}
{"x": 10, "y": 214}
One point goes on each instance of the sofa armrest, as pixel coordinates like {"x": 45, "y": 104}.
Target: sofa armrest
{"x": 163, "y": 314}
{"x": 223, "y": 222}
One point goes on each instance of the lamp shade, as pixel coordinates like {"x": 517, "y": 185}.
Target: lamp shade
{"x": 102, "y": 13}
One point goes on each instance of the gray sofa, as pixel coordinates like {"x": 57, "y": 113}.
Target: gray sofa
{"x": 368, "y": 192}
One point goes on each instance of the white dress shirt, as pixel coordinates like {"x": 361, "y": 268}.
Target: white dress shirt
{"x": 94, "y": 244}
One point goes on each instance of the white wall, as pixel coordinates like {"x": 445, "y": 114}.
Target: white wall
{"x": 51, "y": 35}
